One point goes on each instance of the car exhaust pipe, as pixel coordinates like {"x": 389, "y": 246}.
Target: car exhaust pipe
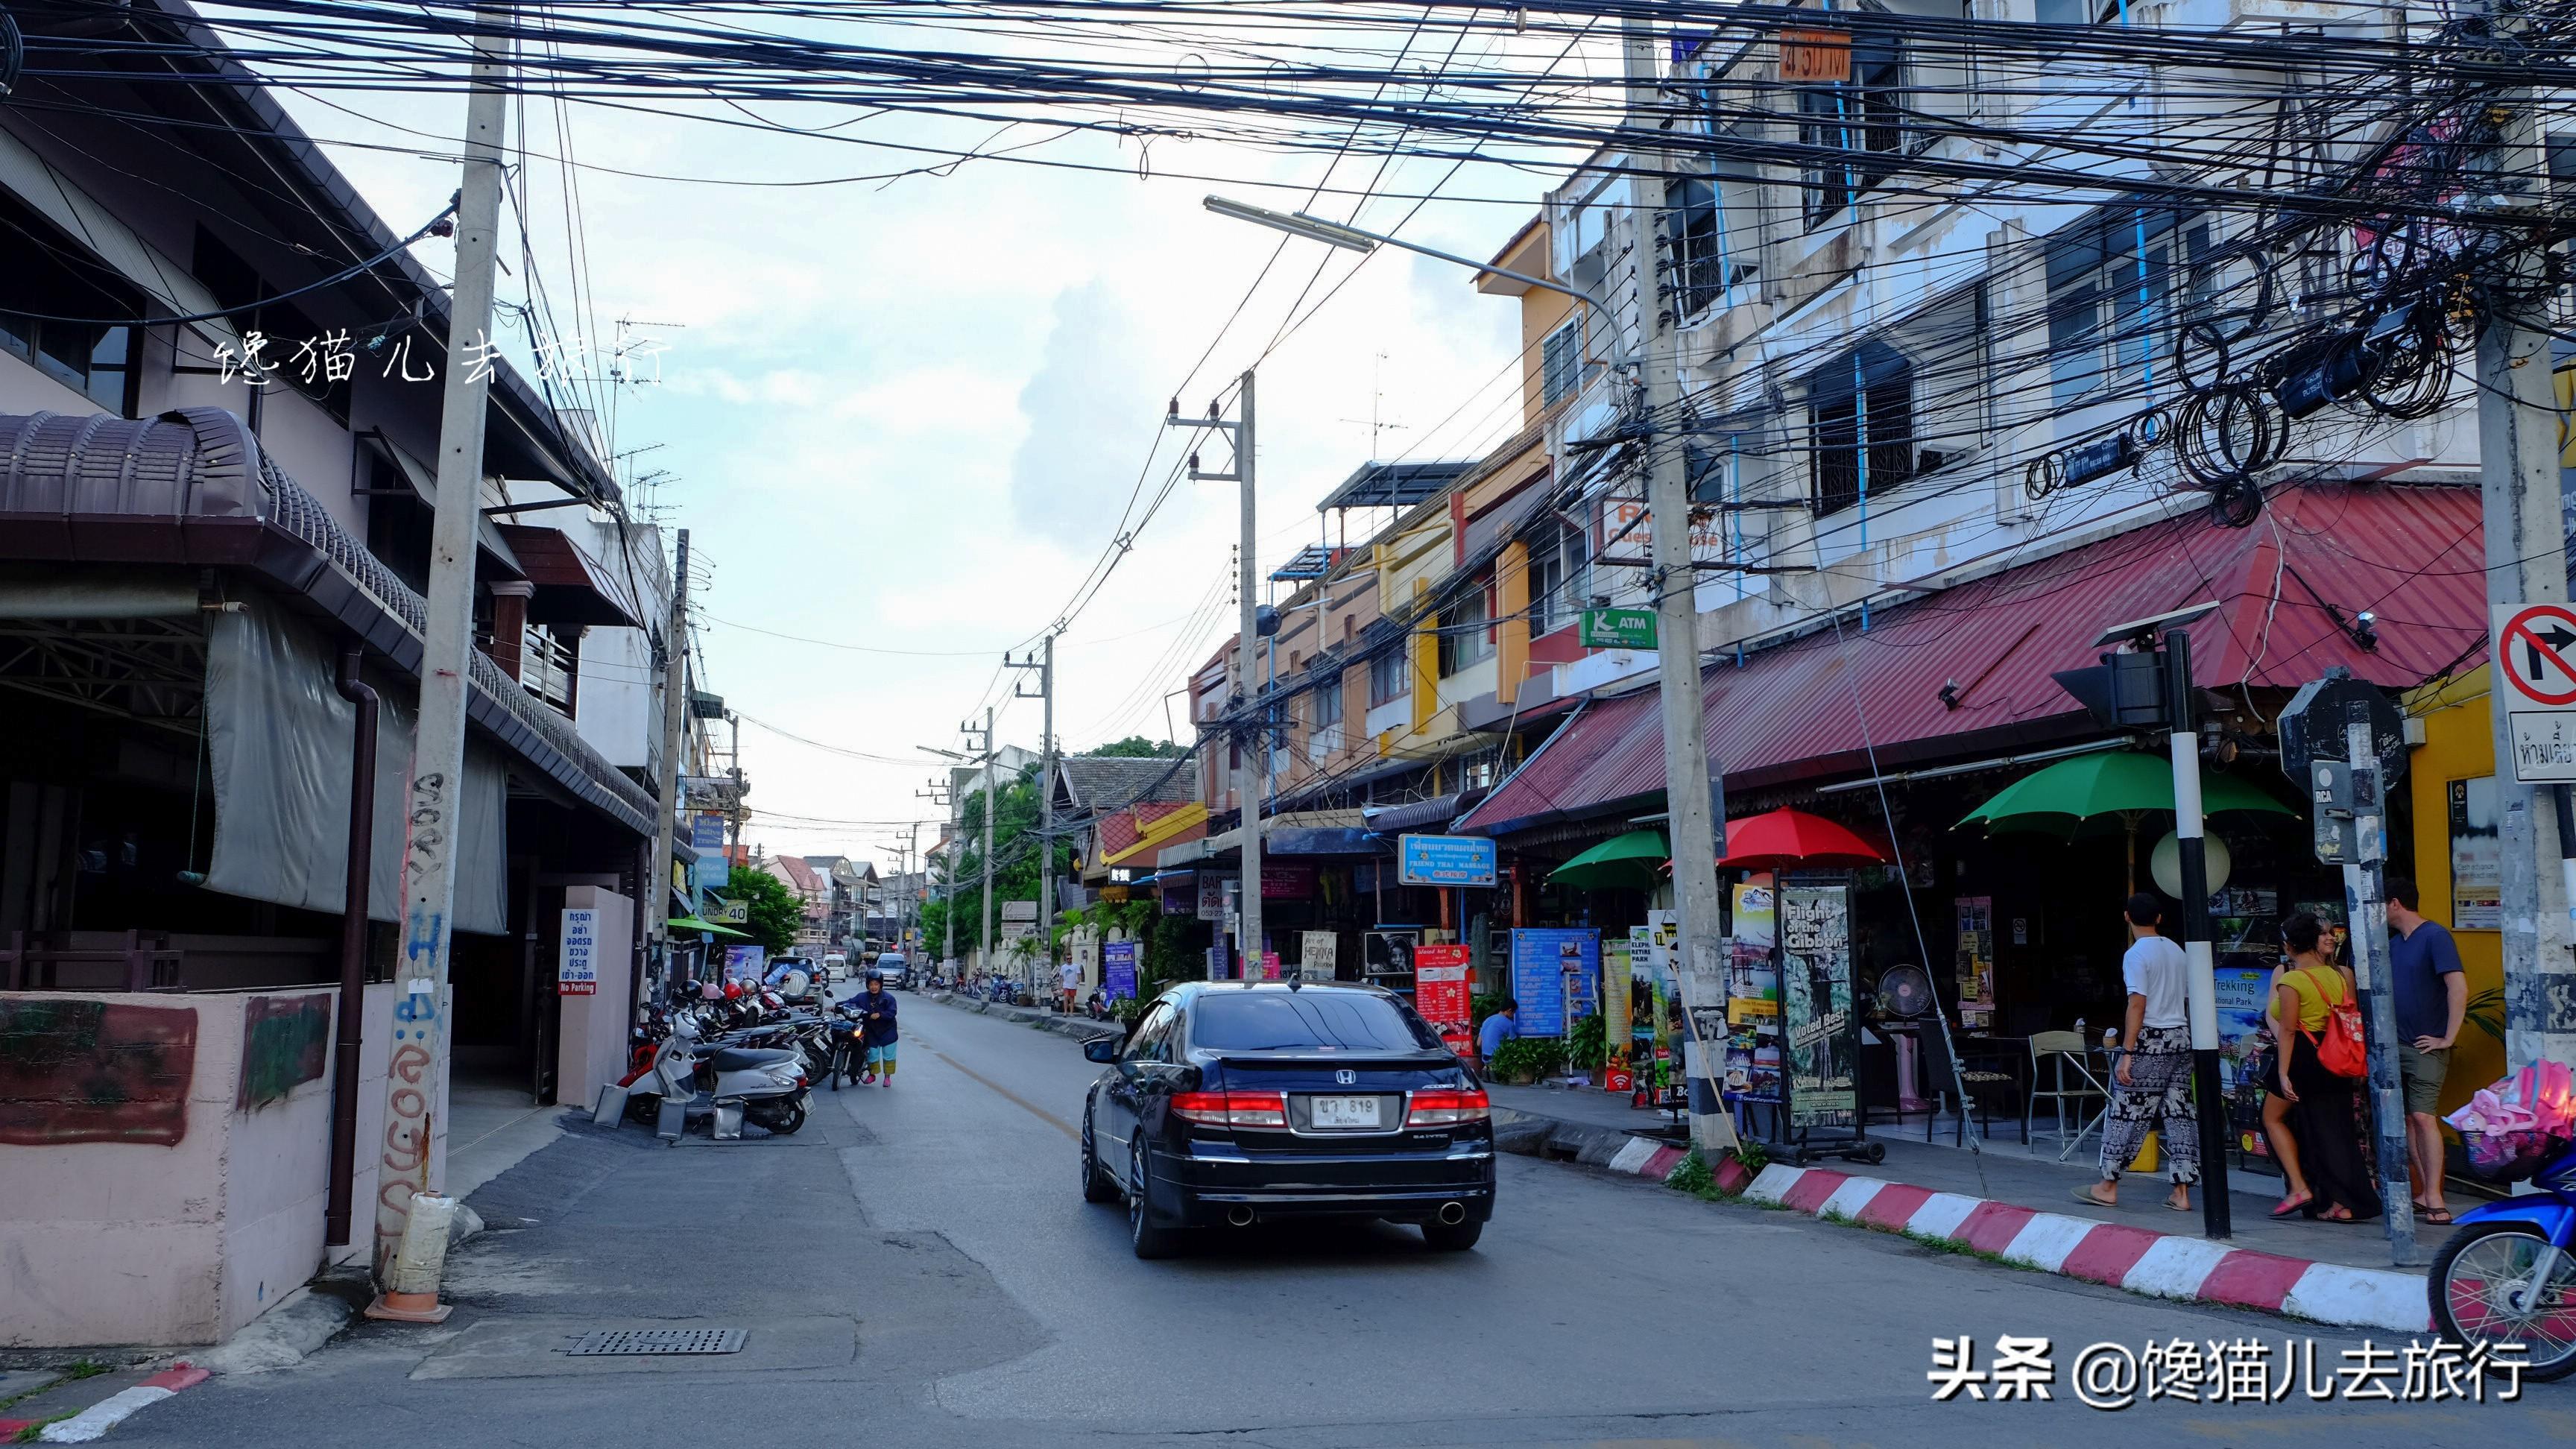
{"x": 1452, "y": 1214}
{"x": 1238, "y": 1217}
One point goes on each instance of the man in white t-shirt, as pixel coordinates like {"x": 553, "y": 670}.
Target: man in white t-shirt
{"x": 1068, "y": 985}
{"x": 2151, "y": 1086}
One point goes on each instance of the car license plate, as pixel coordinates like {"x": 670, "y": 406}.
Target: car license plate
{"x": 1342, "y": 1111}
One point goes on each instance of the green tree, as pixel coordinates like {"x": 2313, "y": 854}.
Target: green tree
{"x": 1015, "y": 864}
{"x": 776, "y": 913}
{"x": 1137, "y": 747}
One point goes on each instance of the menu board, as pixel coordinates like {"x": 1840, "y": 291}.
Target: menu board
{"x": 1444, "y": 994}
{"x": 1816, "y": 1006}
{"x": 1976, "y": 959}
{"x": 1546, "y": 967}
{"x": 2243, "y": 1036}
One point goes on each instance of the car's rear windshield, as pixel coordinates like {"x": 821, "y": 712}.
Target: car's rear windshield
{"x": 1279, "y": 1021}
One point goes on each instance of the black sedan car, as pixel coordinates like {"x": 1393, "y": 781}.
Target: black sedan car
{"x": 1234, "y": 1103}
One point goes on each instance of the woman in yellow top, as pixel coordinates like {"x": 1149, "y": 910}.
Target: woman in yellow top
{"x": 2322, "y": 1156}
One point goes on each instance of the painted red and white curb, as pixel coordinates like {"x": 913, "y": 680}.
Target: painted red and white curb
{"x": 2141, "y": 1260}
{"x": 93, "y": 1422}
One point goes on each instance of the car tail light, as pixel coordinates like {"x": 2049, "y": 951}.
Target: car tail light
{"x": 1231, "y": 1109}
{"x": 1448, "y": 1107}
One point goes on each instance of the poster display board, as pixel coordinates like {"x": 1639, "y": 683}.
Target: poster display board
{"x": 1319, "y": 955}
{"x": 1118, "y": 969}
{"x": 1751, "y": 1027}
{"x": 1444, "y": 994}
{"x": 577, "y": 960}
{"x": 1217, "y": 967}
{"x": 746, "y": 963}
{"x": 2477, "y": 856}
{"x": 2241, "y": 1075}
{"x": 1816, "y": 1006}
{"x": 1547, "y": 966}
{"x": 1976, "y": 960}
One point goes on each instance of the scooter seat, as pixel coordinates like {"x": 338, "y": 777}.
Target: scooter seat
{"x": 740, "y": 1059}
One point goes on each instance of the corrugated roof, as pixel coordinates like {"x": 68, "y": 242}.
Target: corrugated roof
{"x": 1113, "y": 782}
{"x": 2412, "y": 556}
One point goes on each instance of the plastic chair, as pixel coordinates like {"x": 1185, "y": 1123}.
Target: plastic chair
{"x": 2056, "y": 1058}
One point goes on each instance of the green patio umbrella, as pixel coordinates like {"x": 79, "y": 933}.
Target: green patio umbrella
{"x": 692, "y": 923}
{"x": 1634, "y": 861}
{"x": 2111, "y": 789}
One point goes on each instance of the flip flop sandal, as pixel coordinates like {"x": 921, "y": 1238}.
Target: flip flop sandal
{"x": 2085, "y": 1196}
{"x": 2435, "y": 1217}
{"x": 2287, "y": 1208}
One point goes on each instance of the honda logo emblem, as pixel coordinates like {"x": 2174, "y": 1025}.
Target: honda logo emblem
{"x": 1346, "y": 1076}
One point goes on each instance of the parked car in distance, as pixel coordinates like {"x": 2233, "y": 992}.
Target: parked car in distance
{"x": 1237, "y": 1103}
{"x": 836, "y": 966}
{"x": 896, "y": 971}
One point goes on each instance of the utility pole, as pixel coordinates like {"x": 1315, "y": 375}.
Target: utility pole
{"x": 675, "y": 690}
{"x": 733, "y": 816}
{"x": 1675, "y": 583}
{"x": 2525, "y": 542}
{"x": 1248, "y": 763}
{"x": 416, "y": 1075}
{"x": 947, "y": 869}
{"x": 1045, "y": 666}
{"x": 991, "y": 809}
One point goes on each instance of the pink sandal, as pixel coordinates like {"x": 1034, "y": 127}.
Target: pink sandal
{"x": 2289, "y": 1205}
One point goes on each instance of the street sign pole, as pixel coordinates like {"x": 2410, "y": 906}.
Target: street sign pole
{"x": 2532, "y": 693}
{"x": 2366, "y": 907}
{"x": 2200, "y": 981}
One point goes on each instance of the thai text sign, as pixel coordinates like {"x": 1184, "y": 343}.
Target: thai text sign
{"x": 1118, "y": 969}
{"x": 577, "y": 961}
{"x": 1444, "y": 860}
{"x": 1547, "y": 968}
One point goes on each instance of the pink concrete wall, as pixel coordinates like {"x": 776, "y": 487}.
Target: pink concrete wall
{"x": 119, "y": 1242}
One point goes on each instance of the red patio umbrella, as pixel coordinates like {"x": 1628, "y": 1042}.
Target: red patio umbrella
{"x": 1778, "y": 839}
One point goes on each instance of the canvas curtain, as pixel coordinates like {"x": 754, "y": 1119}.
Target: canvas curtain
{"x": 279, "y": 737}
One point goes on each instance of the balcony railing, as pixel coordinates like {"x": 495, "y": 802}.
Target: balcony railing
{"x": 548, "y": 667}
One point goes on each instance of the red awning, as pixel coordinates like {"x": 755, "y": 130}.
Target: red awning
{"x": 2412, "y": 556}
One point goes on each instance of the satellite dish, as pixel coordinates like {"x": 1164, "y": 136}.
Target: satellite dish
{"x": 2165, "y": 864}
{"x": 1904, "y": 992}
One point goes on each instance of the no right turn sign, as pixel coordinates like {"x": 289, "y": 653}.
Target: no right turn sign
{"x": 2535, "y": 670}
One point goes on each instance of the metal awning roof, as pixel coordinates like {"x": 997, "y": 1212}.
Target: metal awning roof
{"x": 1394, "y": 485}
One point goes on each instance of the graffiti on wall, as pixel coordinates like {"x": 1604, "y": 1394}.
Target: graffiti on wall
{"x": 94, "y": 1071}
{"x": 285, "y": 1040}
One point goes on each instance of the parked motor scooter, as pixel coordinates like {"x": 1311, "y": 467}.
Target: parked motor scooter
{"x": 770, "y": 1085}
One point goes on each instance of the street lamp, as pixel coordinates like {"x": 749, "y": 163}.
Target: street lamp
{"x": 1352, "y": 239}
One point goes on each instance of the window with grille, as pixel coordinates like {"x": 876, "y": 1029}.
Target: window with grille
{"x": 1560, "y": 364}
{"x": 1386, "y": 675}
{"x": 1855, "y": 131}
{"x": 1560, "y": 578}
{"x": 1466, "y": 635}
{"x": 2111, "y": 305}
{"x": 1862, "y": 411}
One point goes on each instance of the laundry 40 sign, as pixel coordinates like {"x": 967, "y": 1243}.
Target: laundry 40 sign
{"x": 2535, "y": 658}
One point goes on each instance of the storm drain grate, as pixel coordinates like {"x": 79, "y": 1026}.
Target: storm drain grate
{"x": 660, "y": 1340}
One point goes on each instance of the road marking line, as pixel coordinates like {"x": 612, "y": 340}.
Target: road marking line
{"x": 1041, "y": 1113}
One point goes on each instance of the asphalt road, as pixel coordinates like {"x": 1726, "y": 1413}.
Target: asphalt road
{"x": 917, "y": 1268}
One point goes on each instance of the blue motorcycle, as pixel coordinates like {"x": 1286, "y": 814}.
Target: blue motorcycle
{"x": 2508, "y": 1275}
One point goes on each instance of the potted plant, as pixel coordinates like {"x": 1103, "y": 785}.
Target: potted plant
{"x": 1524, "y": 1059}
{"x": 1586, "y": 1049}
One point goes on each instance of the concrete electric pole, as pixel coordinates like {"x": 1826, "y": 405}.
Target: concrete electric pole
{"x": 2526, "y": 564}
{"x": 991, "y": 809}
{"x": 1045, "y": 666}
{"x": 416, "y": 1075}
{"x": 1675, "y": 584}
{"x": 675, "y": 724}
{"x": 1247, "y": 772}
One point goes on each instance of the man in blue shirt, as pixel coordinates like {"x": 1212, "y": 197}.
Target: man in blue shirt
{"x": 1498, "y": 1028}
{"x": 2432, "y": 999}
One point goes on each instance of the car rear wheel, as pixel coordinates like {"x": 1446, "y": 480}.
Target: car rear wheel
{"x": 1096, "y": 1186}
{"x": 1452, "y": 1237}
{"x": 1143, "y": 1235}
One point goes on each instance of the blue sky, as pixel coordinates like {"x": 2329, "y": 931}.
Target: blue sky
{"x": 907, "y": 416}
